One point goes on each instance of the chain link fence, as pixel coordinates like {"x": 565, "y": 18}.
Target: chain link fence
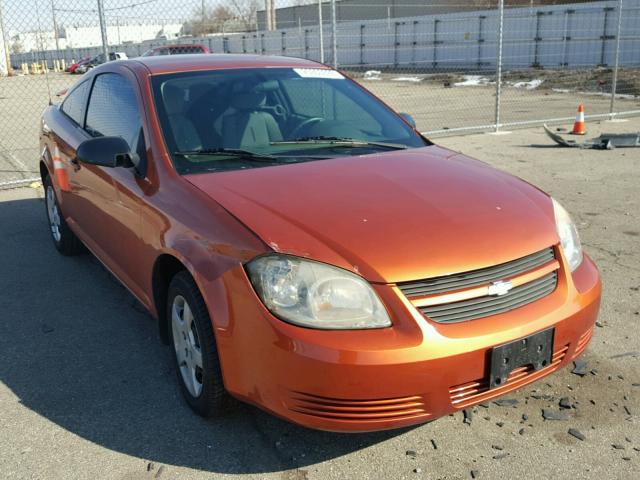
{"x": 455, "y": 66}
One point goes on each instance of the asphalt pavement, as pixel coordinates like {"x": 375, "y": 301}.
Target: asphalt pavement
{"x": 88, "y": 391}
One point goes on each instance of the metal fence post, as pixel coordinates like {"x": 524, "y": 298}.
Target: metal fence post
{"x": 614, "y": 81}
{"x": 481, "y": 20}
{"x": 334, "y": 40}
{"x": 4, "y": 42}
{"x": 55, "y": 25}
{"x": 499, "y": 63}
{"x": 362, "y": 44}
{"x": 605, "y": 37}
{"x": 321, "y": 31}
{"x": 103, "y": 30}
{"x": 267, "y": 12}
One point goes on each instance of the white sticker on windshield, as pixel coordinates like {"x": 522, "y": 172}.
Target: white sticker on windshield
{"x": 318, "y": 73}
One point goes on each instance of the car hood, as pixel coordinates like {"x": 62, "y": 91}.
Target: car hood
{"x": 393, "y": 216}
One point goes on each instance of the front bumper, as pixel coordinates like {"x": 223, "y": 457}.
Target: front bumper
{"x": 410, "y": 373}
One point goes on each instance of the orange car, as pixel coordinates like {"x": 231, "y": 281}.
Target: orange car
{"x": 305, "y": 249}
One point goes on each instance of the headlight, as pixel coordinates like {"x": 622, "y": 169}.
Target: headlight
{"x": 569, "y": 238}
{"x": 316, "y": 295}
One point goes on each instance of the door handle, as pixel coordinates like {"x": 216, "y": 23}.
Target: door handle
{"x": 76, "y": 164}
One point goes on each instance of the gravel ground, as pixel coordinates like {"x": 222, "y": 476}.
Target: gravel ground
{"x": 87, "y": 391}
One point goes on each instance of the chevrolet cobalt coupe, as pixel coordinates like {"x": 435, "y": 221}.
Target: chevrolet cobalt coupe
{"x": 303, "y": 248}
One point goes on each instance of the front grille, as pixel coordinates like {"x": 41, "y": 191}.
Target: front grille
{"x": 466, "y": 296}
{"x": 492, "y": 305}
{"x": 474, "y": 278}
{"x": 358, "y": 410}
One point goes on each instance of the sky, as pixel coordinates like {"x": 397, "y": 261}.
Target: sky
{"x": 26, "y": 15}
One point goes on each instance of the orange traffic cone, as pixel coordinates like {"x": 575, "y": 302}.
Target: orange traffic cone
{"x": 578, "y": 126}
{"x": 60, "y": 171}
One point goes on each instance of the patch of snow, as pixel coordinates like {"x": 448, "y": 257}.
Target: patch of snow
{"x": 407, "y": 79}
{"x": 624, "y": 96}
{"x": 473, "y": 81}
{"x": 530, "y": 85}
{"x": 372, "y": 75}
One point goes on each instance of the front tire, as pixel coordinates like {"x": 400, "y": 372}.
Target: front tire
{"x": 194, "y": 348}
{"x": 63, "y": 238}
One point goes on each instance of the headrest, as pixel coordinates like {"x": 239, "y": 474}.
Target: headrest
{"x": 173, "y": 99}
{"x": 268, "y": 86}
{"x": 248, "y": 100}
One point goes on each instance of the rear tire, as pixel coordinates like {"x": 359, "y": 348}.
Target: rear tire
{"x": 194, "y": 348}
{"x": 63, "y": 238}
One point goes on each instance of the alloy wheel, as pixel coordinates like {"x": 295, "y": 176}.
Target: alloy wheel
{"x": 187, "y": 345}
{"x": 53, "y": 214}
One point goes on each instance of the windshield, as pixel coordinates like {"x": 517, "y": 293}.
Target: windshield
{"x": 248, "y": 118}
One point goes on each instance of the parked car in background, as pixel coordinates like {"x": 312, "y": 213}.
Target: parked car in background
{"x": 72, "y": 68}
{"x": 99, "y": 60}
{"x": 177, "y": 49}
{"x": 305, "y": 249}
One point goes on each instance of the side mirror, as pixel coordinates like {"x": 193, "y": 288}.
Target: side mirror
{"x": 409, "y": 119}
{"x": 106, "y": 152}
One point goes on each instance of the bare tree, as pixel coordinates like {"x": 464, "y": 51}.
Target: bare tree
{"x": 214, "y": 19}
{"x": 16, "y": 45}
{"x": 245, "y": 12}
{"x": 219, "y": 16}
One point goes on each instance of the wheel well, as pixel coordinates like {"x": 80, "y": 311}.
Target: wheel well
{"x": 44, "y": 172}
{"x": 164, "y": 270}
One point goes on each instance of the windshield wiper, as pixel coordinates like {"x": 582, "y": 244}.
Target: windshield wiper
{"x": 341, "y": 142}
{"x": 231, "y": 152}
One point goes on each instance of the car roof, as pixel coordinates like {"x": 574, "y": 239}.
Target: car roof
{"x": 221, "y": 61}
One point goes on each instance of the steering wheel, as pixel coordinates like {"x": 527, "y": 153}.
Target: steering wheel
{"x": 309, "y": 121}
{"x": 275, "y": 110}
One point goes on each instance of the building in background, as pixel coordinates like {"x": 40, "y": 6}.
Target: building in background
{"x": 86, "y": 37}
{"x": 354, "y": 10}
{"x": 118, "y": 34}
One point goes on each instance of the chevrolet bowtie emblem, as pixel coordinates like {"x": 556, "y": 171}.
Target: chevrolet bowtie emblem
{"x": 500, "y": 287}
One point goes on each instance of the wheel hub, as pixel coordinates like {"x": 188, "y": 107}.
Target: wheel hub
{"x": 187, "y": 345}
{"x": 53, "y": 214}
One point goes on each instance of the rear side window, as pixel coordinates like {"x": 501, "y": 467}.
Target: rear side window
{"x": 73, "y": 105}
{"x": 113, "y": 109}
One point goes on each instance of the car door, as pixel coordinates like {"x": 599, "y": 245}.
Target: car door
{"x": 114, "y": 110}
{"x": 64, "y": 138}
{"x": 91, "y": 186}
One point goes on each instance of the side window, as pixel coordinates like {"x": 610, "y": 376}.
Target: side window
{"x": 113, "y": 109}
{"x": 73, "y": 105}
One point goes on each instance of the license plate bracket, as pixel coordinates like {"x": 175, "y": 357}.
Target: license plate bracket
{"x": 535, "y": 350}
